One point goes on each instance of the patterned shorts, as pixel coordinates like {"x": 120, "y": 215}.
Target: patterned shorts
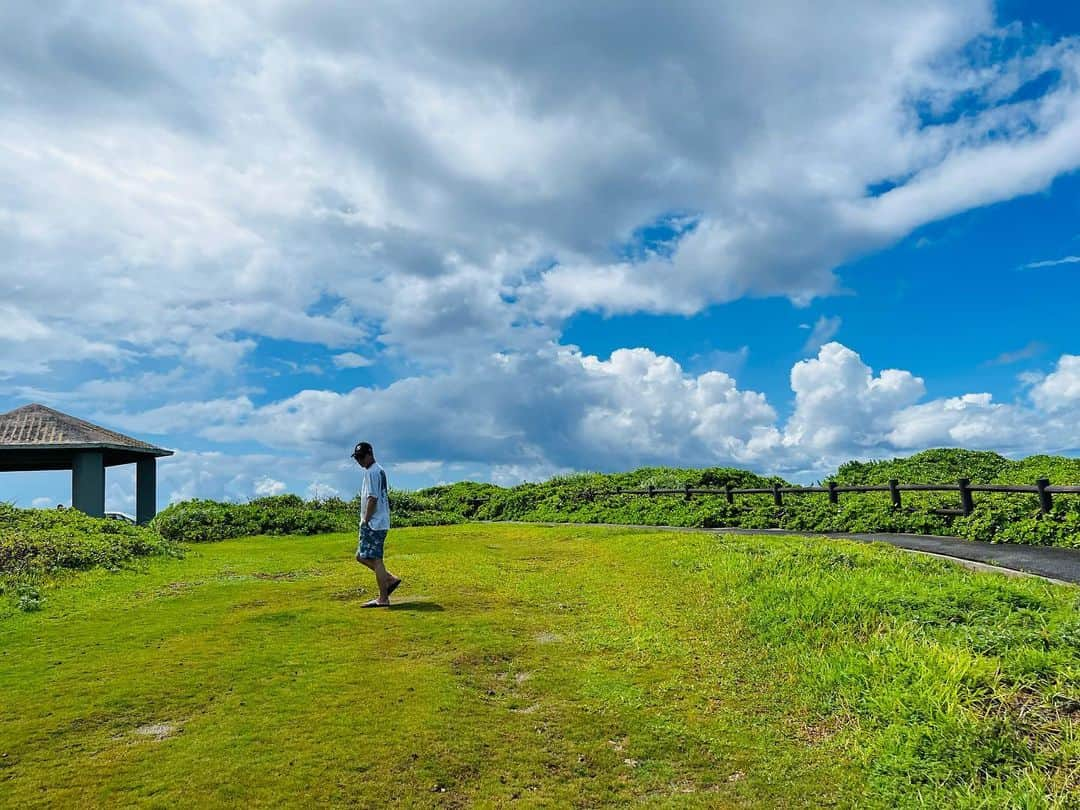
{"x": 371, "y": 543}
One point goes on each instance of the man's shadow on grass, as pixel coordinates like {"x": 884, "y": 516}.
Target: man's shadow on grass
{"x": 417, "y": 606}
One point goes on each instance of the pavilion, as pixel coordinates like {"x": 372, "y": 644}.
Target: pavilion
{"x": 38, "y": 438}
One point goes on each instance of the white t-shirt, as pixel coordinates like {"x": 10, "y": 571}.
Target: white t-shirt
{"x": 374, "y": 485}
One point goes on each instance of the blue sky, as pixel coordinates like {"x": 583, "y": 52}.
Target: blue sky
{"x": 501, "y": 253}
{"x": 956, "y": 294}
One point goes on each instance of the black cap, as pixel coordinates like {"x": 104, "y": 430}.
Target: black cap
{"x": 361, "y": 450}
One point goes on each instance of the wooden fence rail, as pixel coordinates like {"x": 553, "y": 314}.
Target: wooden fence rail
{"x": 963, "y": 486}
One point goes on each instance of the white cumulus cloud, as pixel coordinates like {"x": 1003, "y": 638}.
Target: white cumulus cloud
{"x": 451, "y": 178}
{"x": 351, "y": 360}
{"x": 437, "y": 188}
{"x": 268, "y": 486}
{"x": 841, "y": 405}
{"x": 1060, "y": 390}
{"x": 526, "y": 418}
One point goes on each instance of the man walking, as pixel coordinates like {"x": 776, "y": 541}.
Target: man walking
{"x": 374, "y": 523}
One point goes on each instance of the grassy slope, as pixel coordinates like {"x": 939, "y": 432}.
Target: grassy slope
{"x": 554, "y": 665}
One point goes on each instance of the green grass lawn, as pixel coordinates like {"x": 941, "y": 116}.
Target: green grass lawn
{"x": 546, "y": 667}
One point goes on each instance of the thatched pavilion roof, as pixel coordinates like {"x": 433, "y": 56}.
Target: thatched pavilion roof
{"x": 37, "y": 437}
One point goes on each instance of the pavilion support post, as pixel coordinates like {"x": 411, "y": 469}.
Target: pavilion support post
{"x": 88, "y": 483}
{"x": 145, "y": 490}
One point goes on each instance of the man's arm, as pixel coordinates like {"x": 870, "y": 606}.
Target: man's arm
{"x": 369, "y": 509}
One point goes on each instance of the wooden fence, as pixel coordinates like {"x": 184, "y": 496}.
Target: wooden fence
{"x": 963, "y": 486}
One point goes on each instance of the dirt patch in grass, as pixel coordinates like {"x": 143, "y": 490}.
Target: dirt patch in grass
{"x": 469, "y": 662}
{"x": 517, "y": 677}
{"x": 1042, "y": 721}
{"x": 822, "y": 731}
{"x": 157, "y": 731}
{"x": 176, "y": 589}
{"x": 272, "y": 576}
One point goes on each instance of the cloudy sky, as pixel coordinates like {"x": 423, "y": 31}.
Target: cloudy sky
{"x": 507, "y": 240}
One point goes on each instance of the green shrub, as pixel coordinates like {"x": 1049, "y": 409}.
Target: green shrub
{"x": 200, "y": 521}
{"x": 1059, "y": 470}
{"x": 35, "y": 542}
{"x": 288, "y": 501}
{"x": 29, "y": 598}
{"x": 940, "y": 466}
{"x": 592, "y": 498}
{"x": 456, "y": 499}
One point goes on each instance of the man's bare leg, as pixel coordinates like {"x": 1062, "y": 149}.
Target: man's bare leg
{"x": 383, "y": 577}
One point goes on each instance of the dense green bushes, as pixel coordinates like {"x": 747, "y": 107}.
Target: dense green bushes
{"x": 1010, "y": 518}
{"x": 413, "y": 509}
{"x": 929, "y": 467}
{"x": 36, "y": 542}
{"x": 590, "y": 498}
{"x": 200, "y": 521}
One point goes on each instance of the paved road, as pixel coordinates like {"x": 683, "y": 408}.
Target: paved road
{"x": 1057, "y": 564}
{"x": 1061, "y": 564}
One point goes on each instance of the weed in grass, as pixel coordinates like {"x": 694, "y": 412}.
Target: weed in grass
{"x": 29, "y": 599}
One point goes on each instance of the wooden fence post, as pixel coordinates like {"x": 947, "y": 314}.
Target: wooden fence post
{"x": 963, "y": 485}
{"x": 894, "y": 491}
{"x": 1046, "y": 502}
{"x": 967, "y": 503}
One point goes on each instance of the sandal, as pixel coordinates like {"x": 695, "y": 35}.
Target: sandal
{"x": 375, "y": 603}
